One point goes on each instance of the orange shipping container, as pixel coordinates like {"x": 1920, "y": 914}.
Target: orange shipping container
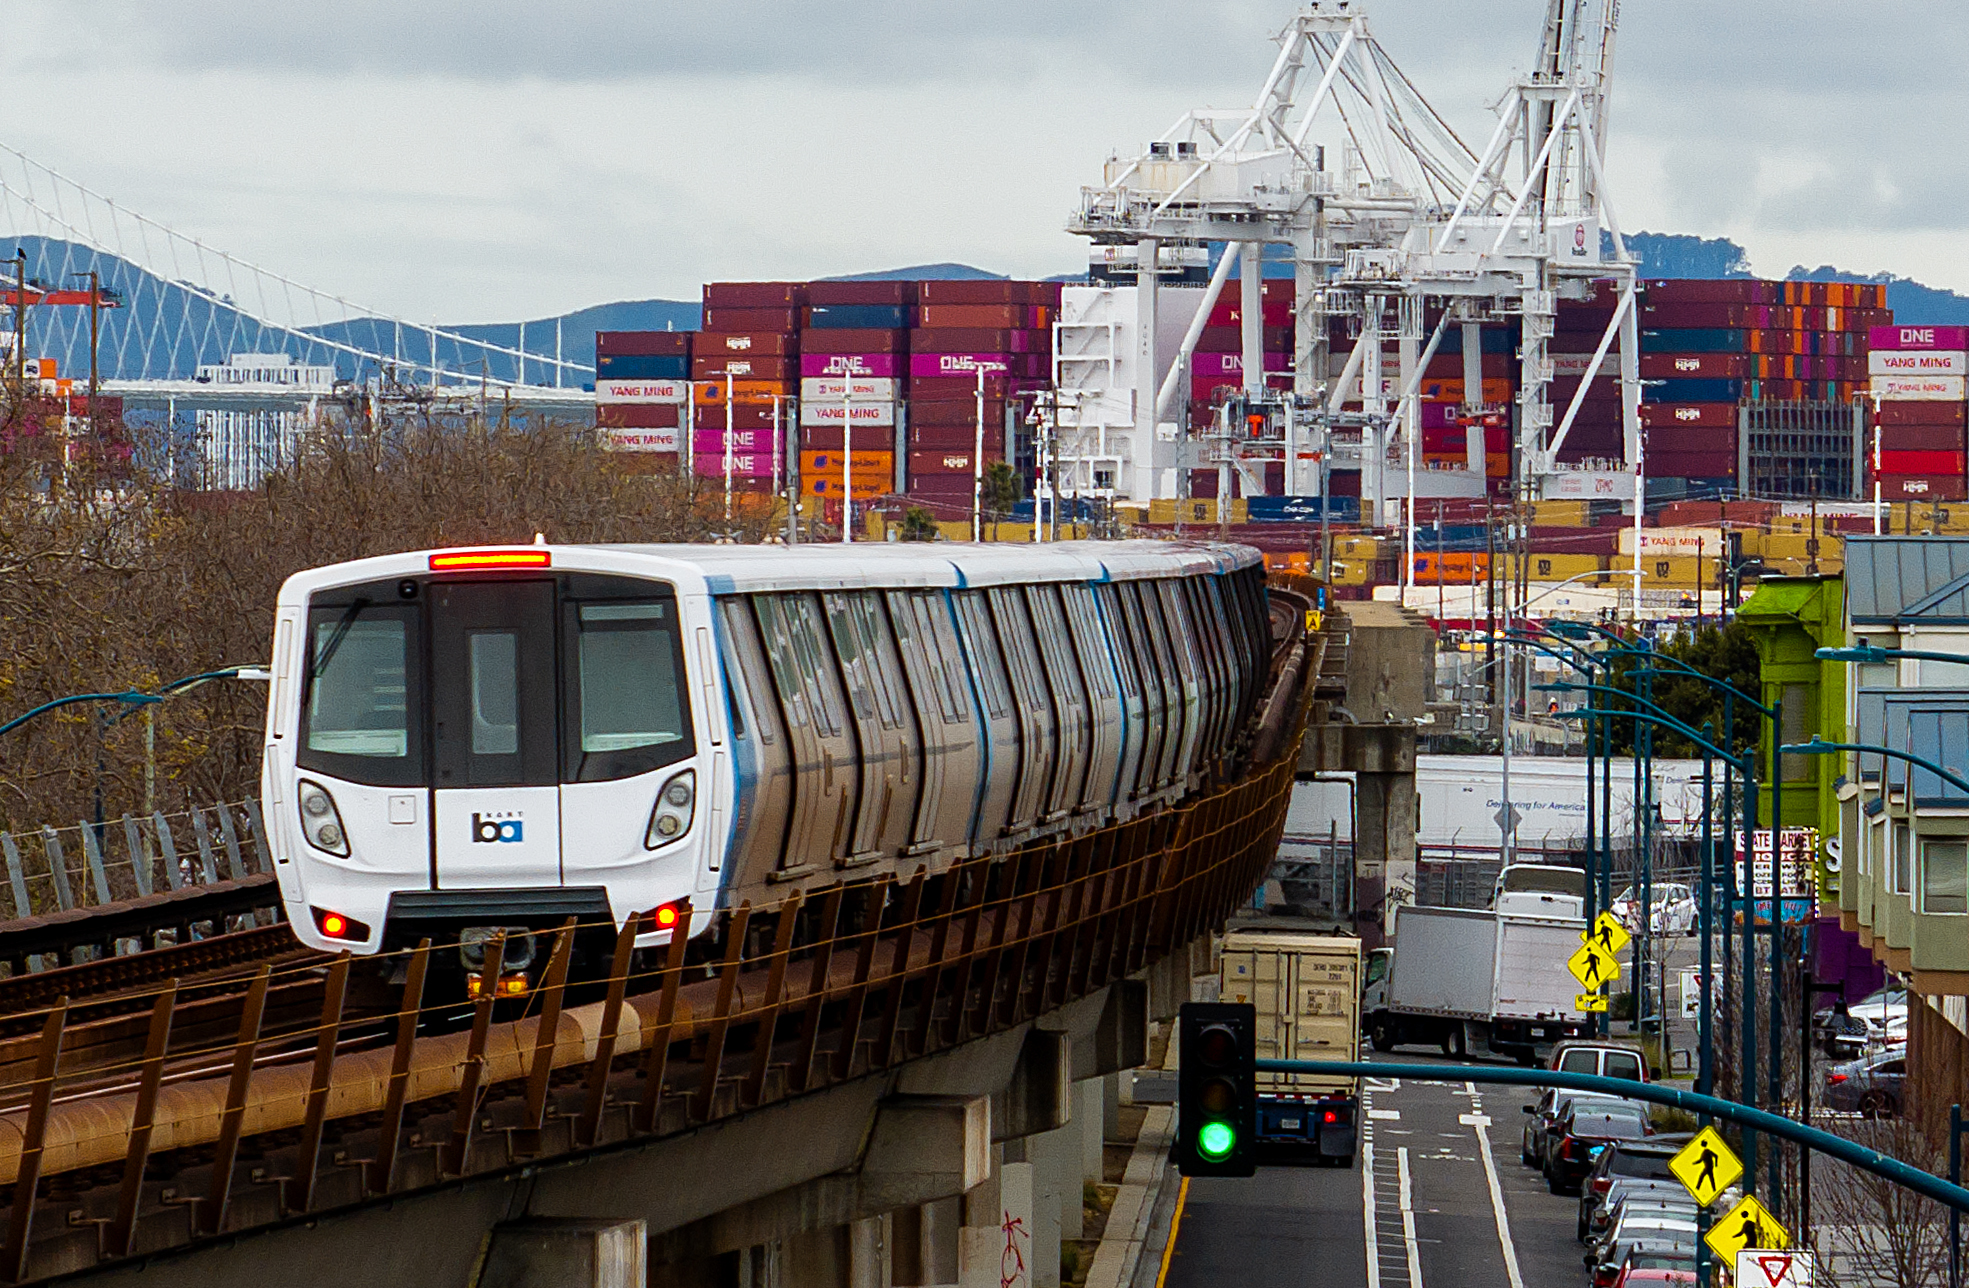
{"x": 711, "y": 393}
{"x": 1010, "y": 317}
{"x": 872, "y": 474}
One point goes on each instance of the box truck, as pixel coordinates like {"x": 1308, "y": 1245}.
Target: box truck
{"x": 1305, "y": 988}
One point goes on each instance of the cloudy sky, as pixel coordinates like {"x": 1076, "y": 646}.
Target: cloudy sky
{"x": 493, "y": 159}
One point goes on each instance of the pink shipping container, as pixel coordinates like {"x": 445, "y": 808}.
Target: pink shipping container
{"x": 1918, "y": 337}
{"x": 746, "y": 442}
{"x": 1213, "y": 365}
{"x": 884, "y": 365}
{"x": 752, "y": 466}
{"x": 968, "y": 364}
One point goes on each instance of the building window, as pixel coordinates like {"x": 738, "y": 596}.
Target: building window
{"x": 1795, "y": 726}
{"x": 1945, "y": 876}
{"x": 1903, "y": 877}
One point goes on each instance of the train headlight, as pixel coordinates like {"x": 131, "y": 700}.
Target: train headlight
{"x": 676, "y": 805}
{"x": 321, "y": 822}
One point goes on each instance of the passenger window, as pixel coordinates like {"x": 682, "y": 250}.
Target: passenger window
{"x": 917, "y": 627}
{"x": 731, "y": 613}
{"x": 1579, "y": 1062}
{"x": 1096, "y": 658}
{"x": 626, "y": 692}
{"x": 494, "y": 658}
{"x": 357, "y": 685}
{"x": 1115, "y": 640}
{"x": 1623, "y": 1064}
{"x": 981, "y": 643}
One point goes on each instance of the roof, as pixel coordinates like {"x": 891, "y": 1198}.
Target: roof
{"x": 1895, "y": 579}
{"x": 1782, "y": 598}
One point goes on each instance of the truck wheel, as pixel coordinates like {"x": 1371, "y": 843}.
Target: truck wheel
{"x": 1382, "y": 1034}
{"x": 1453, "y": 1042}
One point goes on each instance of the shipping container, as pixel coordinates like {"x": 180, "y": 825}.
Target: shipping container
{"x": 1029, "y": 365}
{"x": 855, "y": 317}
{"x": 1951, "y": 389}
{"x": 1904, "y": 461}
{"x": 749, "y": 465}
{"x": 640, "y": 416}
{"x": 759, "y": 344}
{"x": 741, "y": 415}
{"x": 880, "y": 366}
{"x": 857, "y": 388}
{"x": 1918, "y": 337}
{"x": 642, "y": 391}
{"x": 1921, "y": 413}
{"x": 1692, "y": 465}
{"x": 665, "y": 366}
{"x": 744, "y": 367}
{"x": 758, "y": 393}
{"x": 899, "y": 294}
{"x": 754, "y": 295}
{"x": 745, "y": 442}
{"x": 643, "y": 343}
{"x": 944, "y": 438}
{"x": 855, "y": 341}
{"x": 1923, "y": 487}
{"x": 1922, "y": 438}
{"x": 958, "y": 388}
{"x": 1192, "y": 510}
{"x": 1665, "y": 571}
{"x": 1230, "y": 339}
{"x": 1708, "y": 415}
{"x": 784, "y": 321}
{"x": 1695, "y": 340}
{"x": 857, "y": 414}
{"x": 1731, "y": 290}
{"x": 1692, "y": 391}
{"x": 871, "y": 474}
{"x": 980, "y": 340}
{"x": 1214, "y": 366}
{"x": 987, "y": 291}
{"x": 929, "y": 461}
{"x": 1699, "y": 366}
{"x": 651, "y": 439}
{"x": 955, "y": 411}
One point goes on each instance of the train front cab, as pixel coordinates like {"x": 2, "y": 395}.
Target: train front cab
{"x": 456, "y": 747}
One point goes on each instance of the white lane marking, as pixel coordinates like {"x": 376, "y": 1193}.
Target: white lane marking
{"x": 1367, "y": 1217}
{"x": 1384, "y": 1084}
{"x": 1481, "y": 1123}
{"x": 1386, "y": 1115}
{"x": 1408, "y": 1222}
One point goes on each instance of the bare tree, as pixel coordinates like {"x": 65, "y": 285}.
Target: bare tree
{"x": 1872, "y": 1232}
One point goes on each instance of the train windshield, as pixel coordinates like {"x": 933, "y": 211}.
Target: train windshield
{"x": 359, "y": 722}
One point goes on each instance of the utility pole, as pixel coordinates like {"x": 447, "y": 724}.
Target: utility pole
{"x": 20, "y": 322}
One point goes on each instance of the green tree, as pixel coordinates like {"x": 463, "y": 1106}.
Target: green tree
{"x": 1728, "y": 654}
{"x": 1000, "y": 493}
{"x": 917, "y": 525}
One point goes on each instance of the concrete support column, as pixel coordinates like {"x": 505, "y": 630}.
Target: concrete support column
{"x": 1089, "y": 1113}
{"x": 981, "y": 1238}
{"x": 1384, "y": 852}
{"x": 816, "y": 1259}
{"x": 567, "y": 1254}
{"x": 868, "y": 1252}
{"x": 1056, "y": 1155}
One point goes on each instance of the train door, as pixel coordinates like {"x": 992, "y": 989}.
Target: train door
{"x": 1060, "y": 671}
{"x": 1113, "y": 630}
{"x": 495, "y": 810}
{"x": 1031, "y": 699}
{"x": 952, "y": 759}
{"x": 1103, "y": 700}
{"x": 825, "y": 779}
{"x": 760, "y": 750}
{"x": 891, "y": 749}
{"x": 1001, "y": 727}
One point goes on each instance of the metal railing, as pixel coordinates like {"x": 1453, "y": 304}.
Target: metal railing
{"x": 59, "y": 869}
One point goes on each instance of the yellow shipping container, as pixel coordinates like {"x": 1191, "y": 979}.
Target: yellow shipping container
{"x": 1540, "y": 567}
{"x": 1670, "y": 570}
{"x": 1195, "y": 510}
{"x": 1791, "y": 545}
{"x": 1358, "y": 547}
{"x": 1352, "y": 572}
{"x": 1561, "y": 514}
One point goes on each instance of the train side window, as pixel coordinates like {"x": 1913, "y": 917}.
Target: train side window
{"x": 1154, "y": 676}
{"x": 1021, "y": 656}
{"x": 1095, "y": 655}
{"x": 868, "y": 614}
{"x": 981, "y": 643}
{"x": 790, "y": 624}
{"x": 1119, "y": 646}
{"x": 1050, "y": 632}
{"x": 732, "y": 613}
{"x": 919, "y": 623}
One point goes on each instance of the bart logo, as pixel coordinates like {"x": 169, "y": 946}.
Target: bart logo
{"x": 486, "y": 831}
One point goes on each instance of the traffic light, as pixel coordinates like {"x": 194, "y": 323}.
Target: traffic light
{"x": 1217, "y": 1096}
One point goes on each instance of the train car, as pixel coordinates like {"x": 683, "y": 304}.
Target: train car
{"x": 467, "y": 740}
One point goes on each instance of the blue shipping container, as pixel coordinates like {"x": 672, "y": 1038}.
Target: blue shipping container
{"x": 1692, "y": 391}
{"x": 857, "y": 317}
{"x": 1699, "y": 340}
{"x": 1301, "y": 509}
{"x": 654, "y": 366}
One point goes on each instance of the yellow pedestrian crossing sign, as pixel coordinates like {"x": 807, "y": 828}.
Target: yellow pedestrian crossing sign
{"x": 1607, "y": 934}
{"x": 1748, "y": 1225}
{"x": 1589, "y": 1001}
{"x": 1707, "y": 1166}
{"x": 1592, "y": 967}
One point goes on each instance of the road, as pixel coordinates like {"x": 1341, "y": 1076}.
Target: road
{"x": 1421, "y": 1208}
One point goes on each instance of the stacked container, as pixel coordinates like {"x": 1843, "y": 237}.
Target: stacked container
{"x": 1218, "y": 364}
{"x": 1917, "y": 374}
{"x": 998, "y": 328}
{"x": 642, "y": 383}
{"x": 852, "y": 371}
{"x": 747, "y": 355}
{"x": 1707, "y": 346}
{"x": 1446, "y": 427}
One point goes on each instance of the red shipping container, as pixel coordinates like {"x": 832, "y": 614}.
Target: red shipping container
{"x": 1452, "y": 439}
{"x": 1709, "y": 415}
{"x": 754, "y": 295}
{"x": 1693, "y": 290}
{"x": 956, "y": 388}
{"x": 744, "y": 416}
{"x": 943, "y": 438}
{"x": 1701, "y": 316}
{"x": 764, "y": 344}
{"x": 639, "y": 415}
{"x": 988, "y": 291}
{"x": 1604, "y": 391}
{"x": 893, "y": 294}
{"x": 1692, "y": 465}
{"x": 1011, "y": 317}
{"x": 1899, "y": 461}
{"x": 745, "y": 366}
{"x": 979, "y": 340}
{"x": 948, "y": 495}
{"x": 1922, "y": 438}
{"x": 642, "y": 344}
{"x": 1699, "y": 366}
{"x": 828, "y": 438}
{"x": 950, "y": 461}
{"x": 846, "y": 340}
{"x": 785, "y": 321}
{"x": 1923, "y": 487}
{"x": 1921, "y": 413}
{"x": 1448, "y": 363}
{"x": 956, "y": 411}
{"x": 1229, "y": 310}
{"x": 1689, "y": 438}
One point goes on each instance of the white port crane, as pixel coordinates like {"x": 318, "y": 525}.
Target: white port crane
{"x": 1412, "y": 214}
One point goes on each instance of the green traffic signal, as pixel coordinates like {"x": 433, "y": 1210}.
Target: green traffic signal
{"x": 1215, "y": 1141}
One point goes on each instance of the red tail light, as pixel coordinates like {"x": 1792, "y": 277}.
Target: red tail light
{"x": 1330, "y": 1116}
{"x": 461, "y": 560}
{"x": 666, "y": 916}
{"x": 335, "y": 925}
{"x": 1565, "y": 1148}
{"x": 1834, "y": 1077}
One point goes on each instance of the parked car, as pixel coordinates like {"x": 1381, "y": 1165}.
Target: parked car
{"x": 1641, "y": 1196}
{"x": 1602, "y": 1058}
{"x": 1674, "y": 909}
{"x": 1637, "y": 1160}
{"x": 1869, "y": 1023}
{"x": 1647, "y": 1268}
{"x": 1541, "y": 1115}
{"x": 1870, "y": 1085}
{"x": 1581, "y": 1132}
{"x": 1595, "y": 1215}
{"x": 1678, "y": 1231}
{"x": 1609, "y": 1261}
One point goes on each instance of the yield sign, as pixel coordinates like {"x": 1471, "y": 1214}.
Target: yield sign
{"x": 1592, "y": 967}
{"x": 1759, "y": 1269}
{"x": 1706, "y": 1166}
{"x": 1607, "y": 934}
{"x": 1749, "y": 1226}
